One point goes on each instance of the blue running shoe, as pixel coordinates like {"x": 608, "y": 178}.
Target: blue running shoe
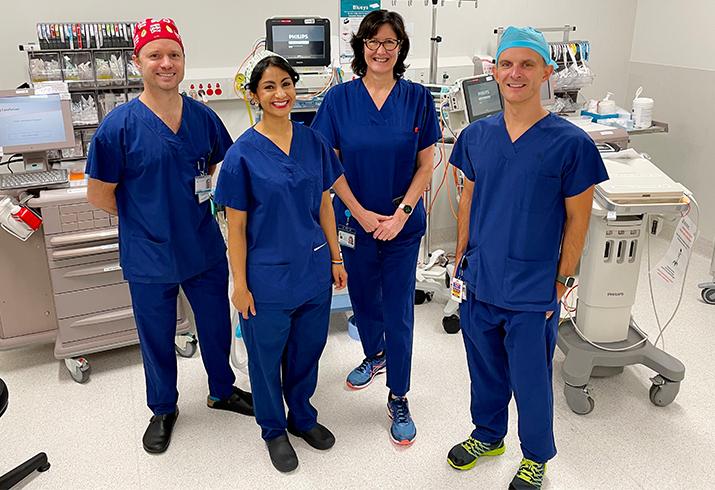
{"x": 403, "y": 430}
{"x": 362, "y": 376}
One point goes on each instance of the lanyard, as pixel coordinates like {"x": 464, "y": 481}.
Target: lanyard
{"x": 203, "y": 164}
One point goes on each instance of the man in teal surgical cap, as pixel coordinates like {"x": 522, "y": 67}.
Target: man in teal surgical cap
{"x": 523, "y": 217}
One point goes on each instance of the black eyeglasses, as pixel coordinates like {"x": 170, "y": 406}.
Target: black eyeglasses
{"x": 388, "y": 44}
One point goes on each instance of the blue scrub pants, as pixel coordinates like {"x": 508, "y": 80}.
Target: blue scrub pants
{"x": 287, "y": 345}
{"x": 155, "y": 316}
{"x": 382, "y": 292}
{"x": 511, "y": 352}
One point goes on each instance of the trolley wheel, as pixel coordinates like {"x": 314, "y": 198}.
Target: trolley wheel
{"x": 451, "y": 323}
{"x": 185, "y": 345}
{"x": 708, "y": 295}
{"x": 579, "y": 399}
{"x": 662, "y": 392}
{"x": 78, "y": 368}
{"x": 422, "y": 296}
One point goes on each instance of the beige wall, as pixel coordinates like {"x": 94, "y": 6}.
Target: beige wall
{"x": 673, "y": 58}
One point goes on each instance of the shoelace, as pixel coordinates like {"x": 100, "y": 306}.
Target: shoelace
{"x": 475, "y": 447}
{"x": 531, "y": 472}
{"x": 366, "y": 364}
{"x": 401, "y": 411}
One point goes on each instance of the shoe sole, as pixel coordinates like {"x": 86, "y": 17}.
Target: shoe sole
{"x": 403, "y": 442}
{"x": 354, "y": 387}
{"x": 469, "y": 466}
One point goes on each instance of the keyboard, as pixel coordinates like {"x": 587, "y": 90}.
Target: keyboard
{"x": 27, "y": 180}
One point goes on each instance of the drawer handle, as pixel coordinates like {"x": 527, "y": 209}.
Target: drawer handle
{"x": 79, "y": 252}
{"x": 90, "y": 236}
{"x": 112, "y": 316}
{"x": 90, "y": 271}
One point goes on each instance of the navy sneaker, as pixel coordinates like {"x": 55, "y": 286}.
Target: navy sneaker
{"x": 403, "y": 430}
{"x": 362, "y": 376}
{"x": 529, "y": 477}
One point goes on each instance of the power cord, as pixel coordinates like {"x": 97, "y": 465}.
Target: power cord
{"x": 661, "y": 329}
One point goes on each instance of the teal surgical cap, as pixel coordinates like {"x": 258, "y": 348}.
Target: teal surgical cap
{"x": 525, "y": 37}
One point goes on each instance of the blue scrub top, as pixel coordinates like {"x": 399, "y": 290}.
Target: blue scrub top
{"x": 379, "y": 148}
{"x": 288, "y": 258}
{"x": 518, "y": 211}
{"x": 165, "y": 235}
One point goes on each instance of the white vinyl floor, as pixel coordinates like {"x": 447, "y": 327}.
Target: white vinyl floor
{"x": 92, "y": 432}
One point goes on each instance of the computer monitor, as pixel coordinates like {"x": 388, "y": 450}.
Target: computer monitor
{"x": 302, "y": 41}
{"x": 33, "y": 124}
{"x": 481, "y": 97}
{"x": 547, "y": 92}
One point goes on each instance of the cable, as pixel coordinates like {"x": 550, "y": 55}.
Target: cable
{"x": 569, "y": 312}
{"x": 682, "y": 286}
{"x": 12, "y": 160}
{"x": 235, "y": 89}
{"x": 444, "y": 177}
{"x": 323, "y": 89}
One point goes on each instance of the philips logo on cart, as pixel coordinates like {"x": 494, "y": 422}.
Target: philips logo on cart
{"x": 615, "y": 294}
{"x": 298, "y": 37}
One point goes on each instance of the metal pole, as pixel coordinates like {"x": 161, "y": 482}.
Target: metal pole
{"x": 435, "y": 46}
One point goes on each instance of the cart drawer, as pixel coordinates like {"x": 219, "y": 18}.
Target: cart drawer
{"x": 109, "y": 322}
{"x": 92, "y": 300}
{"x": 96, "y": 324}
{"x": 86, "y": 276}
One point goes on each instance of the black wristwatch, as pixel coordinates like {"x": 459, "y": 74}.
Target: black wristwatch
{"x": 567, "y": 281}
{"x": 405, "y": 207}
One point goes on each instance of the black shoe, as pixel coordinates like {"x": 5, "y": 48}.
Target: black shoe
{"x": 240, "y": 402}
{"x": 319, "y": 436}
{"x": 158, "y": 435}
{"x": 282, "y": 454}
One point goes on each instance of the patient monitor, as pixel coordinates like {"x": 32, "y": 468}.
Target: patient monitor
{"x": 32, "y": 124}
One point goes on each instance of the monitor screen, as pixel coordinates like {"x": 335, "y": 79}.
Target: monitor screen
{"x": 303, "y": 42}
{"x": 547, "y": 92}
{"x": 34, "y": 123}
{"x": 481, "y": 97}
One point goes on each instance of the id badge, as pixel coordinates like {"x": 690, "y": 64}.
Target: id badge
{"x": 458, "y": 290}
{"x": 346, "y": 236}
{"x": 202, "y": 187}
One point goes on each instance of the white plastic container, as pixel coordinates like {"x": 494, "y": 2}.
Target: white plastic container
{"x": 642, "y": 113}
{"x": 607, "y": 106}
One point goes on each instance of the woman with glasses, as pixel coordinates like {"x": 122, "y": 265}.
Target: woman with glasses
{"x": 384, "y": 129}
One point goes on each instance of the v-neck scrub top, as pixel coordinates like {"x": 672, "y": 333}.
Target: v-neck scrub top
{"x": 165, "y": 235}
{"x": 379, "y": 147}
{"x": 518, "y": 211}
{"x": 288, "y": 258}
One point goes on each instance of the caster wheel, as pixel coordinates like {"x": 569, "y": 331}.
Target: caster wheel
{"x": 708, "y": 295}
{"x": 79, "y": 369}
{"x": 422, "y": 296}
{"x": 451, "y": 324}
{"x": 663, "y": 392}
{"x": 185, "y": 345}
{"x": 579, "y": 399}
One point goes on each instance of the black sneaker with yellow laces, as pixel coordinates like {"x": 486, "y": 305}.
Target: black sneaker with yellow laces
{"x": 529, "y": 477}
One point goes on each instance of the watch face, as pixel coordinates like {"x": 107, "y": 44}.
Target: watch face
{"x": 407, "y": 209}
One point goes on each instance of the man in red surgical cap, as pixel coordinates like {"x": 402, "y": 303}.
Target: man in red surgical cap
{"x": 150, "y": 163}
